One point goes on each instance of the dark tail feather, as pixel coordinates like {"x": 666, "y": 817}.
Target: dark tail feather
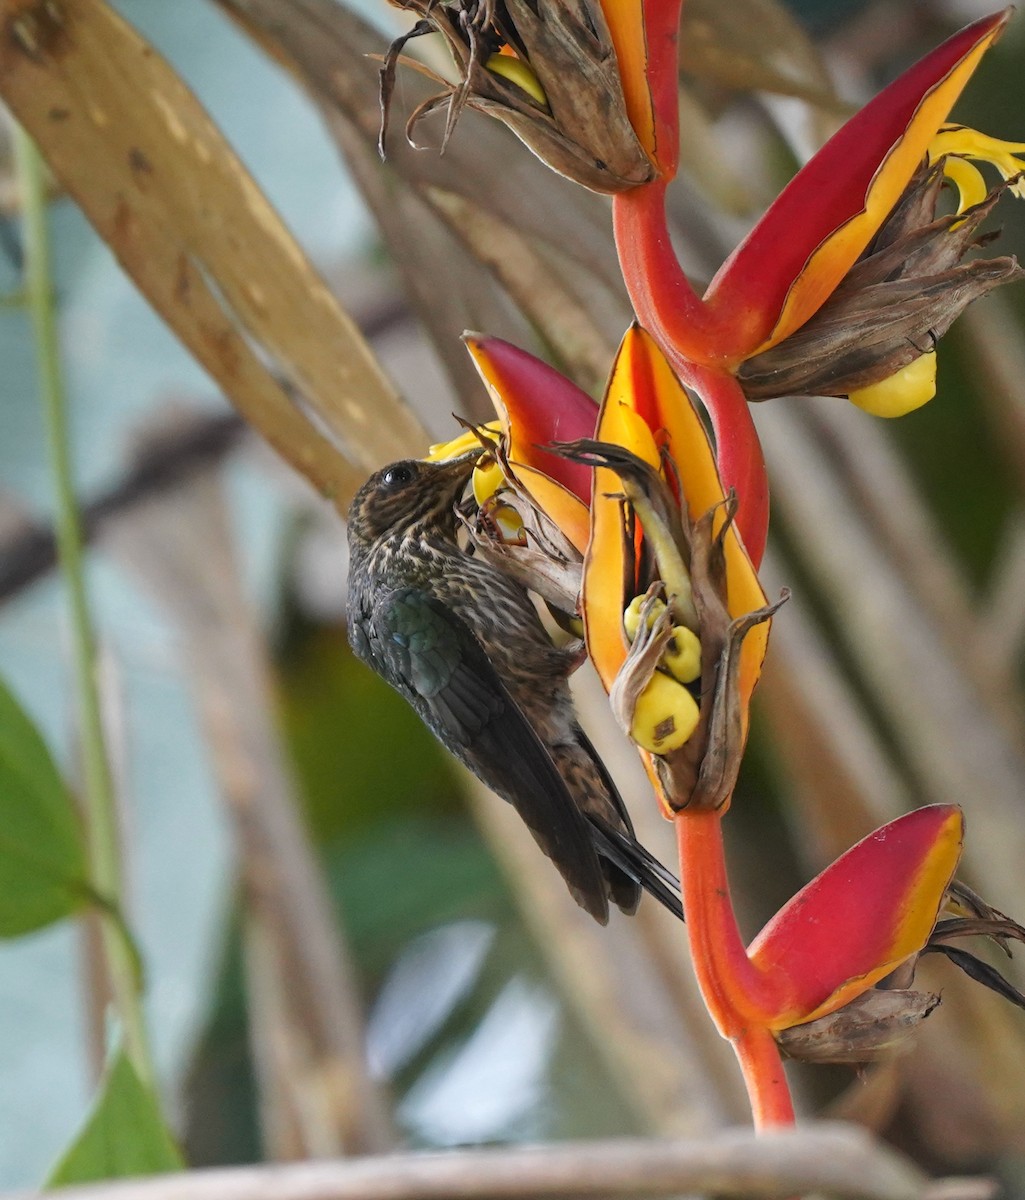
{"x": 638, "y": 864}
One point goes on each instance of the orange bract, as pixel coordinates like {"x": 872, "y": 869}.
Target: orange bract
{"x": 647, "y": 410}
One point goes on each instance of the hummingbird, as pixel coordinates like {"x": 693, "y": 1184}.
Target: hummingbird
{"x": 464, "y": 644}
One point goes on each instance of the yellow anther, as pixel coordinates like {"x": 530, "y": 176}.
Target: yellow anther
{"x": 665, "y": 715}
{"x": 955, "y": 143}
{"x": 486, "y": 481}
{"x": 518, "y": 72}
{"x": 683, "y": 654}
{"x": 463, "y": 444}
{"x": 903, "y": 392}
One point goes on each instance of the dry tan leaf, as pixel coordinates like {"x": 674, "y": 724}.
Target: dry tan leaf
{"x": 190, "y": 226}
{"x": 448, "y": 289}
{"x": 754, "y": 45}
{"x": 545, "y": 226}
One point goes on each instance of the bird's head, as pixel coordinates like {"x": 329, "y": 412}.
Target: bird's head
{"x": 406, "y": 494}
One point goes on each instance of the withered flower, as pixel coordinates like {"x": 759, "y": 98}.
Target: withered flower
{"x": 547, "y": 68}
{"x": 899, "y": 298}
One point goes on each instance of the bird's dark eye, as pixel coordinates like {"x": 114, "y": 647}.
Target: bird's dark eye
{"x": 398, "y": 476}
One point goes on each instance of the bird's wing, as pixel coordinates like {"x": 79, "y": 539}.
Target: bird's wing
{"x": 430, "y": 655}
{"x": 609, "y": 783}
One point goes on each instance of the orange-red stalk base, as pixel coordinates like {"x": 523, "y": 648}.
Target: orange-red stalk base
{"x": 738, "y": 997}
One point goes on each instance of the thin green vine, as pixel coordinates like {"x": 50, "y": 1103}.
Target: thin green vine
{"x": 99, "y": 797}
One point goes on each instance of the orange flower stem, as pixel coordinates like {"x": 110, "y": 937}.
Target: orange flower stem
{"x": 662, "y": 35}
{"x": 740, "y": 999}
{"x": 762, "y": 1067}
{"x": 663, "y": 298}
{"x": 670, "y": 310}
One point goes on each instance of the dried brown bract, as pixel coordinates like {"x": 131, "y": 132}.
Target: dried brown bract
{"x": 546, "y": 68}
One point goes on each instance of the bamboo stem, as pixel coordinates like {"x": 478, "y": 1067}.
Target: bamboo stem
{"x": 828, "y": 1159}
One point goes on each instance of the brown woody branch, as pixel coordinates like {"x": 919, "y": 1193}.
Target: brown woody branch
{"x": 833, "y": 1160}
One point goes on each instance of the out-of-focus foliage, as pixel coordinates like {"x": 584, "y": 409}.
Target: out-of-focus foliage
{"x": 444, "y": 959}
{"x": 42, "y": 855}
{"x": 332, "y": 711}
{"x": 124, "y": 1134}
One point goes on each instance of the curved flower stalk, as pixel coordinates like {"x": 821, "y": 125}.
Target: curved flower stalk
{"x": 847, "y": 281}
{"x": 676, "y": 624}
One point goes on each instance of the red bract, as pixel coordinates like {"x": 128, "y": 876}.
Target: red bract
{"x": 864, "y": 915}
{"x": 820, "y": 223}
{"x": 536, "y": 405}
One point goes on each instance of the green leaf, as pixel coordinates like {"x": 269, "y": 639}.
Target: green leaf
{"x": 43, "y": 874}
{"x": 123, "y": 1135}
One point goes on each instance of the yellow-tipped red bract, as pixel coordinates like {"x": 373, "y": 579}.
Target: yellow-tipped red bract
{"x": 869, "y": 911}
{"x": 811, "y": 235}
{"x": 536, "y": 405}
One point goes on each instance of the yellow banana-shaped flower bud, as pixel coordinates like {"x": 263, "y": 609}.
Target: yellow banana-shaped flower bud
{"x": 903, "y": 392}
{"x": 957, "y": 144}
